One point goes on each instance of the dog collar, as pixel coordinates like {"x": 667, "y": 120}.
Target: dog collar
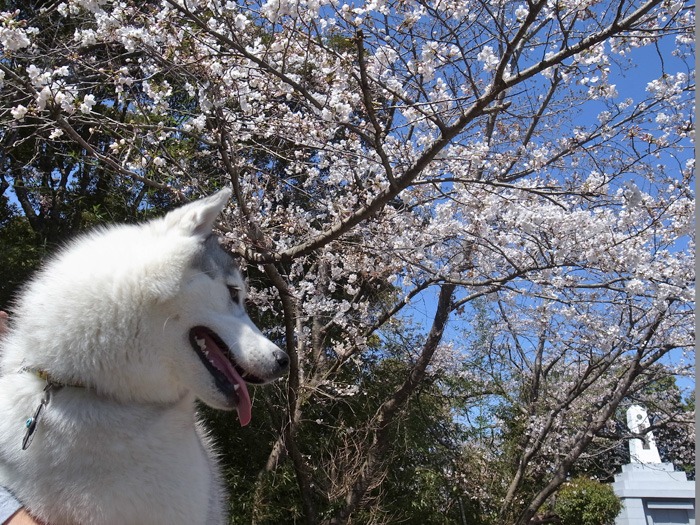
{"x": 50, "y": 380}
{"x": 51, "y": 386}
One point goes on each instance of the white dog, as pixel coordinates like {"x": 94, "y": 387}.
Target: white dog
{"x": 109, "y": 347}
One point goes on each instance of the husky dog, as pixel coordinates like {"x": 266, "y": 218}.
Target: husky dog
{"x": 109, "y": 347}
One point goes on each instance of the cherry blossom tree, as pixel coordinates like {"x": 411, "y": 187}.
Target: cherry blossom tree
{"x": 496, "y": 167}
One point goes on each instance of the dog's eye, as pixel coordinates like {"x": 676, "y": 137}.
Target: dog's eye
{"x": 235, "y": 294}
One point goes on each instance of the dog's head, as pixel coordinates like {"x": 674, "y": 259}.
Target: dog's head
{"x": 210, "y": 309}
{"x": 148, "y": 313}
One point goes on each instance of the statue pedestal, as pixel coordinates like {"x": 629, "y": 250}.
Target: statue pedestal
{"x": 654, "y": 494}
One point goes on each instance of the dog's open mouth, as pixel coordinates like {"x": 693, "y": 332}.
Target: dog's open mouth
{"x": 229, "y": 377}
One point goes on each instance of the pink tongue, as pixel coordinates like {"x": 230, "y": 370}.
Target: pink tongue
{"x": 244, "y": 406}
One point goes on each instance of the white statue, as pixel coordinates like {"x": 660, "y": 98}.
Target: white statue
{"x": 641, "y": 450}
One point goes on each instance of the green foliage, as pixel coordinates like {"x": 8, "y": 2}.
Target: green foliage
{"x": 583, "y": 501}
{"x": 417, "y": 483}
{"x": 20, "y": 252}
{"x": 256, "y": 494}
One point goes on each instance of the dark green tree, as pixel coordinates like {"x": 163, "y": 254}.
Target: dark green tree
{"x": 583, "y": 501}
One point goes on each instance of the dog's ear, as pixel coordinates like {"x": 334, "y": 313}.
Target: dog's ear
{"x": 197, "y": 218}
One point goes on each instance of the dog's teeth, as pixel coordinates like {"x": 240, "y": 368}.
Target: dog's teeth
{"x": 236, "y": 387}
{"x": 201, "y": 343}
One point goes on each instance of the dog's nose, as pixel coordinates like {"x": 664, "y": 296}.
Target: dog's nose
{"x": 282, "y": 359}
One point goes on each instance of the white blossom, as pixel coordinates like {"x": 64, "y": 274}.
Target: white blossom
{"x": 18, "y": 112}
{"x": 87, "y": 104}
{"x": 13, "y": 36}
{"x": 488, "y": 57}
{"x": 38, "y": 77}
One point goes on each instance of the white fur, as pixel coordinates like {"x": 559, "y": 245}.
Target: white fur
{"x": 113, "y": 312}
